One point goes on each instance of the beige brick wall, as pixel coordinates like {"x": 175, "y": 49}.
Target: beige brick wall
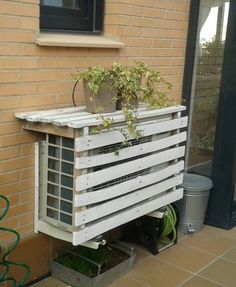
{"x": 33, "y": 77}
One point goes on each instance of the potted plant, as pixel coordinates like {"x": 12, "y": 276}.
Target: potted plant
{"x": 99, "y": 89}
{"x": 123, "y": 87}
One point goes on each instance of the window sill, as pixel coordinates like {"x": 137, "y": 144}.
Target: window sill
{"x": 68, "y": 40}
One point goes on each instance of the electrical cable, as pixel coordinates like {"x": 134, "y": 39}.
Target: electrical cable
{"x": 6, "y": 263}
{"x": 169, "y": 222}
{"x": 73, "y": 92}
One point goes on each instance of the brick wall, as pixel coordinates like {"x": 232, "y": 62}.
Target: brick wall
{"x": 33, "y": 77}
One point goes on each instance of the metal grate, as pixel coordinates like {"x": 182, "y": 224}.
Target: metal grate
{"x": 120, "y": 179}
{"x": 113, "y": 148}
{"x": 118, "y": 146}
{"x": 60, "y": 170}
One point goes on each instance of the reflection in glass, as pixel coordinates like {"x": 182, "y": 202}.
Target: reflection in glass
{"x": 72, "y": 4}
{"x": 212, "y": 26}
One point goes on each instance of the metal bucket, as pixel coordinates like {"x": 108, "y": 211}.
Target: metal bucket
{"x": 193, "y": 206}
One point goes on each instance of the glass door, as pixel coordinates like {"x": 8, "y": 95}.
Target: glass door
{"x": 205, "y": 87}
{"x": 210, "y": 93}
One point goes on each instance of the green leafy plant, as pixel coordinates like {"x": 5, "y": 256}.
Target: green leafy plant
{"x": 132, "y": 84}
{"x": 105, "y": 256}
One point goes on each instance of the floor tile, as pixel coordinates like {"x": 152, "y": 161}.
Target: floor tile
{"x": 50, "y": 282}
{"x": 226, "y": 233}
{"x": 200, "y": 282}
{"x": 182, "y": 256}
{"x": 176, "y": 265}
{"x": 155, "y": 273}
{"x": 209, "y": 242}
{"x": 140, "y": 256}
{"x": 181, "y": 235}
{"x": 231, "y": 255}
{"x": 126, "y": 282}
{"x": 221, "y": 271}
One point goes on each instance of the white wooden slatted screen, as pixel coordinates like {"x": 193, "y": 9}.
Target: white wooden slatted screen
{"x": 86, "y": 188}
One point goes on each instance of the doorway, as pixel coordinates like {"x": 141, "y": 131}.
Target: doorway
{"x": 210, "y": 94}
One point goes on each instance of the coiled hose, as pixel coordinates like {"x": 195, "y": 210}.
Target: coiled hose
{"x": 4, "y": 262}
{"x": 169, "y": 222}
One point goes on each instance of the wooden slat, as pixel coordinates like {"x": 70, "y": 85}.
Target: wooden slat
{"x": 49, "y": 129}
{"x": 127, "y": 186}
{"x": 112, "y": 137}
{"x": 119, "y": 170}
{"x": 53, "y": 231}
{"x": 88, "y": 117}
{"x": 104, "y": 209}
{"x": 125, "y": 153}
{"x": 85, "y": 117}
{"x": 63, "y": 118}
{"x": 39, "y": 116}
{"x": 124, "y": 216}
{"x": 117, "y": 117}
{"x": 77, "y": 118}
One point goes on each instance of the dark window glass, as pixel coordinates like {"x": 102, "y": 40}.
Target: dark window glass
{"x": 54, "y": 139}
{"x": 53, "y": 177}
{"x": 84, "y": 16}
{"x": 53, "y": 164}
{"x": 65, "y": 218}
{"x": 67, "y": 168}
{"x": 52, "y": 213}
{"x": 53, "y": 189}
{"x": 68, "y": 155}
{"x": 66, "y": 193}
{"x": 53, "y": 202}
{"x": 54, "y": 151}
{"x": 66, "y": 206}
{"x": 67, "y": 181}
{"x": 68, "y": 143}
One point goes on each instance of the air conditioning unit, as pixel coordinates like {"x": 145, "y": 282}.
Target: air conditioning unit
{"x": 84, "y": 187}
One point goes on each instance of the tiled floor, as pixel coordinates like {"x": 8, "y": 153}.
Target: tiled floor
{"x": 204, "y": 259}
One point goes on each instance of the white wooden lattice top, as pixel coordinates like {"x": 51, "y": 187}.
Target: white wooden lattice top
{"x": 77, "y": 117}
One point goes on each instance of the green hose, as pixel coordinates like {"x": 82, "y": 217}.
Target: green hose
{"x": 4, "y": 262}
{"x": 169, "y": 222}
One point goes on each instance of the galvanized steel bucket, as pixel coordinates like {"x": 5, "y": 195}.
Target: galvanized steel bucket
{"x": 193, "y": 206}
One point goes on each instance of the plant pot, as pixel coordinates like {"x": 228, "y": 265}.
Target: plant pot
{"x": 103, "y": 99}
{"x": 133, "y": 103}
{"x": 77, "y": 279}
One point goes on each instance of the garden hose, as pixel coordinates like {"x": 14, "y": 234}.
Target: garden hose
{"x": 169, "y": 222}
{"x": 4, "y": 262}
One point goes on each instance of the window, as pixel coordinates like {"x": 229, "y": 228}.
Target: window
{"x": 81, "y": 16}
